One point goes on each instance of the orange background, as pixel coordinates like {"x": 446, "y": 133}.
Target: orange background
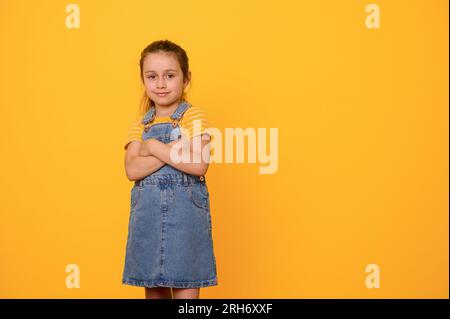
{"x": 362, "y": 116}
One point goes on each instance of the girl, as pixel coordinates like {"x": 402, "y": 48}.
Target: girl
{"x": 169, "y": 241}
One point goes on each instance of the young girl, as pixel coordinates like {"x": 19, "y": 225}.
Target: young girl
{"x": 169, "y": 241}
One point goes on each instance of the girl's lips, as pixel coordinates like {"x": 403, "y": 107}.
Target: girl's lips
{"x": 162, "y": 94}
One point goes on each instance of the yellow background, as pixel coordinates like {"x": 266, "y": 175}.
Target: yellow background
{"x": 362, "y": 116}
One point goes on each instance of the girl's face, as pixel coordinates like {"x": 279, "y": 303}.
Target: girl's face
{"x": 162, "y": 74}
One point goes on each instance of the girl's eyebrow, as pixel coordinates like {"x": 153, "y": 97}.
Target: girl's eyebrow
{"x": 155, "y": 71}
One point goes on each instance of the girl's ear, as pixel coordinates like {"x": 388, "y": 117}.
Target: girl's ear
{"x": 187, "y": 80}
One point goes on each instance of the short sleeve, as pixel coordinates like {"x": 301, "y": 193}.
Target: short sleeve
{"x": 194, "y": 122}
{"x": 134, "y": 132}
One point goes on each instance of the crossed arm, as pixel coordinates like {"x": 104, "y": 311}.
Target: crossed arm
{"x": 144, "y": 158}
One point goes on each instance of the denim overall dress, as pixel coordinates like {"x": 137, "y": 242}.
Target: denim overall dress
{"x": 169, "y": 240}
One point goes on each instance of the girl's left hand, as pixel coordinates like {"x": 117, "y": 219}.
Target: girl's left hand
{"x": 146, "y": 147}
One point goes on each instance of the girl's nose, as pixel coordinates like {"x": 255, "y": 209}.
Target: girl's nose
{"x": 161, "y": 84}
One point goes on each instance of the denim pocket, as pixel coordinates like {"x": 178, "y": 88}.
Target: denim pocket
{"x": 135, "y": 193}
{"x": 199, "y": 195}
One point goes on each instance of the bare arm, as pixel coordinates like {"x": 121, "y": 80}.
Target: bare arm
{"x": 136, "y": 166}
{"x": 196, "y": 164}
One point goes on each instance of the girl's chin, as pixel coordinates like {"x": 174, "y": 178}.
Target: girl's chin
{"x": 164, "y": 101}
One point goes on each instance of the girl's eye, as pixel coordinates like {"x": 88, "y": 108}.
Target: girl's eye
{"x": 152, "y": 76}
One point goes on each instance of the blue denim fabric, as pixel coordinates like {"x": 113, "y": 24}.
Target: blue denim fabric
{"x": 169, "y": 240}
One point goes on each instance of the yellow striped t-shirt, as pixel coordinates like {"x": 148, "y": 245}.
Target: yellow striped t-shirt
{"x": 188, "y": 127}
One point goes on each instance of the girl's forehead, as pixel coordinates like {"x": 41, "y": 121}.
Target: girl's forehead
{"x": 160, "y": 62}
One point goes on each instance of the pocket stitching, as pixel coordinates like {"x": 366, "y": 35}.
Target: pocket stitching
{"x": 194, "y": 199}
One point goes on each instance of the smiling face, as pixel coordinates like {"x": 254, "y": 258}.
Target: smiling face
{"x": 163, "y": 79}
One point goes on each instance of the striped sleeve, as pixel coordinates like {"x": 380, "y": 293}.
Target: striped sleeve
{"x": 134, "y": 132}
{"x": 194, "y": 122}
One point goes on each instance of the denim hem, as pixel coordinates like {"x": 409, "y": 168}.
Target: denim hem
{"x": 169, "y": 283}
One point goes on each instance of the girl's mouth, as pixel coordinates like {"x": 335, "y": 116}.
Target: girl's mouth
{"x": 162, "y": 94}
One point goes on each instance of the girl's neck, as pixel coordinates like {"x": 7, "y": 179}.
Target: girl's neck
{"x": 166, "y": 111}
